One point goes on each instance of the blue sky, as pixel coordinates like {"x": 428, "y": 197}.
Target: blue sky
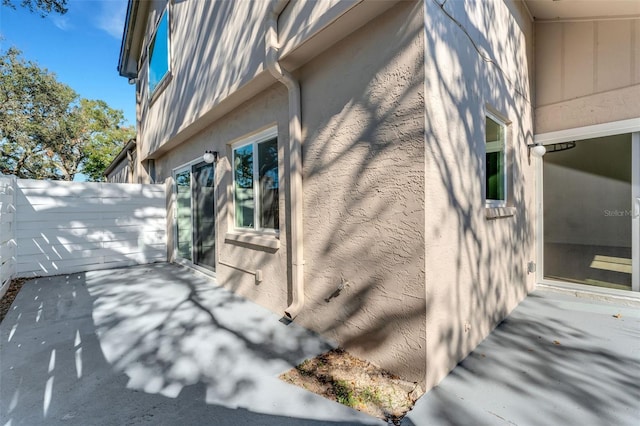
{"x": 80, "y": 47}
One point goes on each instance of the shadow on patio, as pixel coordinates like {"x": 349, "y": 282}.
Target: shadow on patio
{"x": 556, "y": 360}
{"x": 154, "y": 343}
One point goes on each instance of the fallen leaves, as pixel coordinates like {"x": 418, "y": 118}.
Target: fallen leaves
{"x": 10, "y": 295}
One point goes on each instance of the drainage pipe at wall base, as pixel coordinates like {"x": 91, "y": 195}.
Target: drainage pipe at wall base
{"x": 295, "y": 157}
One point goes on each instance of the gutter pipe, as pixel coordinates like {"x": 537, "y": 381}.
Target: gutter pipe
{"x": 295, "y": 156}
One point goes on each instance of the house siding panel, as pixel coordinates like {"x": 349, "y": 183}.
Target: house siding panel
{"x": 599, "y": 80}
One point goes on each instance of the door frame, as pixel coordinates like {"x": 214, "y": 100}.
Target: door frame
{"x": 631, "y": 126}
{"x": 176, "y": 258}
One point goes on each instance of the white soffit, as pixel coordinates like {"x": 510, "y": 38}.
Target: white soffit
{"x": 570, "y": 10}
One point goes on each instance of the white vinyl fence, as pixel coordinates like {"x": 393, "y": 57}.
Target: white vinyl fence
{"x": 7, "y": 232}
{"x": 64, "y": 227}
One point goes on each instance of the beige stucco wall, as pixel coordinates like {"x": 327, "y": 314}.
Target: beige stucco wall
{"x": 586, "y": 73}
{"x": 363, "y": 101}
{"x": 233, "y": 259}
{"x": 393, "y": 133}
{"x": 362, "y": 109}
{"x": 476, "y": 269}
{"x": 202, "y": 32}
{"x": 231, "y": 36}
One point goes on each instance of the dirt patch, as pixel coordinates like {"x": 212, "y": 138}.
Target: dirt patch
{"x": 10, "y": 295}
{"x": 356, "y": 383}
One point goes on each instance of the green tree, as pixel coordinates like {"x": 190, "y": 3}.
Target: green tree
{"x": 47, "y": 131}
{"x": 104, "y": 136}
{"x": 43, "y": 7}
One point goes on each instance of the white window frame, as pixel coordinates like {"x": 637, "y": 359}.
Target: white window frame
{"x": 490, "y": 203}
{"x": 254, "y": 140}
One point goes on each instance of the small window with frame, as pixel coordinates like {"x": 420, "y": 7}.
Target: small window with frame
{"x": 158, "y": 54}
{"x": 496, "y": 161}
{"x": 256, "y": 184}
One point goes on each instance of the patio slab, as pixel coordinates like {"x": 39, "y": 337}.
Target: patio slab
{"x": 163, "y": 345}
{"x": 154, "y": 344}
{"x": 556, "y": 360}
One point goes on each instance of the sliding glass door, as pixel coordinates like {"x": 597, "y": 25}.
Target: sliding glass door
{"x": 590, "y": 210}
{"x": 195, "y": 215}
{"x": 184, "y": 228}
{"x": 204, "y": 219}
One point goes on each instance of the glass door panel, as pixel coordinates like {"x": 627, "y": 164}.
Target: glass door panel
{"x": 204, "y": 216}
{"x": 183, "y": 214}
{"x": 588, "y": 213}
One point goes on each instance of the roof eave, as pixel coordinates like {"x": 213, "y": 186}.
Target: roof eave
{"x": 125, "y": 60}
{"x": 123, "y": 152}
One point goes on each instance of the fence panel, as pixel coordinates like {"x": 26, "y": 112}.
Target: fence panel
{"x": 66, "y": 227}
{"x": 7, "y": 232}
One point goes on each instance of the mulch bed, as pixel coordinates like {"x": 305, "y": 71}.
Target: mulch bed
{"x": 10, "y": 295}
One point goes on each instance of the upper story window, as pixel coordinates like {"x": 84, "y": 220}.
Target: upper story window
{"x": 159, "y": 53}
{"x": 496, "y": 162}
{"x": 255, "y": 184}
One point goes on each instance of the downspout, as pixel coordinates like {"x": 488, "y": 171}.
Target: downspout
{"x": 295, "y": 156}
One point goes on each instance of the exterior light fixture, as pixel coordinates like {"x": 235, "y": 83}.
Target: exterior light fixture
{"x": 210, "y": 157}
{"x": 537, "y": 149}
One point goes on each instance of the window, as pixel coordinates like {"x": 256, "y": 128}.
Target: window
{"x": 159, "y": 53}
{"x": 255, "y": 184}
{"x": 495, "y": 168}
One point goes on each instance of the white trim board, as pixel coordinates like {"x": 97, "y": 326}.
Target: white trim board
{"x": 635, "y": 207}
{"x": 589, "y": 132}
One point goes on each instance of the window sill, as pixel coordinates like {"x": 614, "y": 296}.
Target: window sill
{"x": 164, "y": 82}
{"x": 257, "y": 240}
{"x": 492, "y": 213}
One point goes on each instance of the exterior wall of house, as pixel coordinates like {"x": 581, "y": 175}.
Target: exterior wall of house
{"x": 224, "y": 28}
{"x": 237, "y": 262}
{"x": 362, "y": 106}
{"x": 402, "y": 265}
{"x": 196, "y": 95}
{"x": 476, "y": 266}
{"x": 362, "y": 109}
{"x": 121, "y": 173}
{"x": 586, "y": 73}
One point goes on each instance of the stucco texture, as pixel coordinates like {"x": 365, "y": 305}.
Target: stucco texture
{"x": 362, "y": 109}
{"x": 402, "y": 267}
{"x": 363, "y": 186}
{"x": 476, "y": 269}
{"x": 234, "y": 259}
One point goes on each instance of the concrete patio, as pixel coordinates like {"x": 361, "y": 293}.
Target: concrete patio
{"x": 556, "y": 360}
{"x": 155, "y": 344}
{"x": 161, "y": 344}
